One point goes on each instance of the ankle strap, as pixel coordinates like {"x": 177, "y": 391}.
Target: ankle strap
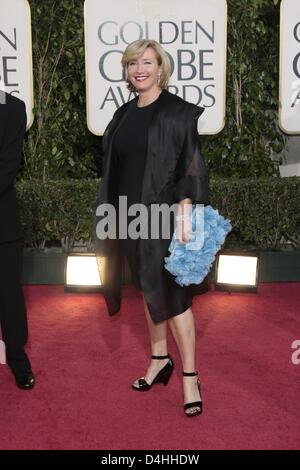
{"x": 161, "y": 357}
{"x": 189, "y": 374}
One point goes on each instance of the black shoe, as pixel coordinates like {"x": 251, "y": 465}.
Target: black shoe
{"x": 197, "y": 405}
{"x": 163, "y": 375}
{"x": 25, "y": 382}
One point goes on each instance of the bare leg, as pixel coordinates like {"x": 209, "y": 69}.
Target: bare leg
{"x": 183, "y": 330}
{"x": 158, "y": 340}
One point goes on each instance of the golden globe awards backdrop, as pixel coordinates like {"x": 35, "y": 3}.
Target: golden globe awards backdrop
{"x": 16, "y": 52}
{"x": 290, "y": 67}
{"x": 193, "y": 32}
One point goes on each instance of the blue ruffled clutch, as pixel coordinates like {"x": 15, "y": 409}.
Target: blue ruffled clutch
{"x": 190, "y": 262}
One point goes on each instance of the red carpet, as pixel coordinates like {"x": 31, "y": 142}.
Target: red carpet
{"x": 85, "y": 362}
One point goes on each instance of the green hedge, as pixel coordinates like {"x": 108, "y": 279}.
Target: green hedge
{"x": 60, "y": 211}
{"x": 264, "y": 211}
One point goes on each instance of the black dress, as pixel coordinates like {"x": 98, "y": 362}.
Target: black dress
{"x": 167, "y": 147}
{"x": 130, "y": 150}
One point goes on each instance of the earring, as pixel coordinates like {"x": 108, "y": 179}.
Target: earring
{"x": 158, "y": 78}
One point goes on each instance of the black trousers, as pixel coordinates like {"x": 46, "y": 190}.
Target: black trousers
{"x": 13, "y": 316}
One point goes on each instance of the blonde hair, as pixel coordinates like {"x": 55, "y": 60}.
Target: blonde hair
{"x": 137, "y": 48}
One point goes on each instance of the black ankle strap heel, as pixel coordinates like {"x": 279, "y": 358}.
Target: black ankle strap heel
{"x": 161, "y": 357}
{"x": 163, "y": 375}
{"x": 197, "y": 405}
{"x": 189, "y": 374}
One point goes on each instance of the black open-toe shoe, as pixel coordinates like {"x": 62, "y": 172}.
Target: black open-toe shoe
{"x": 196, "y": 406}
{"x": 163, "y": 375}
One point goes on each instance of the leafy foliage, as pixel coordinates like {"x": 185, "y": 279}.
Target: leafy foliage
{"x": 264, "y": 211}
{"x": 251, "y": 135}
{"x": 59, "y": 144}
{"x": 58, "y": 212}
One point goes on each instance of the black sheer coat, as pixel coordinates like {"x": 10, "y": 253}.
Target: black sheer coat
{"x": 174, "y": 170}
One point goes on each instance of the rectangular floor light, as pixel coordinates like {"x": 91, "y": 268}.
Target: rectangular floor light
{"x": 237, "y": 271}
{"x": 81, "y": 273}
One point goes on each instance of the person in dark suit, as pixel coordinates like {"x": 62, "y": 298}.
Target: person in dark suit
{"x": 13, "y": 316}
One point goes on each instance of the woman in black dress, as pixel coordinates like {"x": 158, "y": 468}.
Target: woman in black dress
{"x": 152, "y": 156}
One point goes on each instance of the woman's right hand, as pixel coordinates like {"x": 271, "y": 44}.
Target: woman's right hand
{"x": 184, "y": 221}
{"x": 183, "y": 229}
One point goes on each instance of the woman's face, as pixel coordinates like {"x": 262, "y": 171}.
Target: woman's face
{"x": 143, "y": 72}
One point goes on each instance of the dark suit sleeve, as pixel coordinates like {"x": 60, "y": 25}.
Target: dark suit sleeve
{"x": 191, "y": 172}
{"x": 106, "y": 139}
{"x": 11, "y": 148}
